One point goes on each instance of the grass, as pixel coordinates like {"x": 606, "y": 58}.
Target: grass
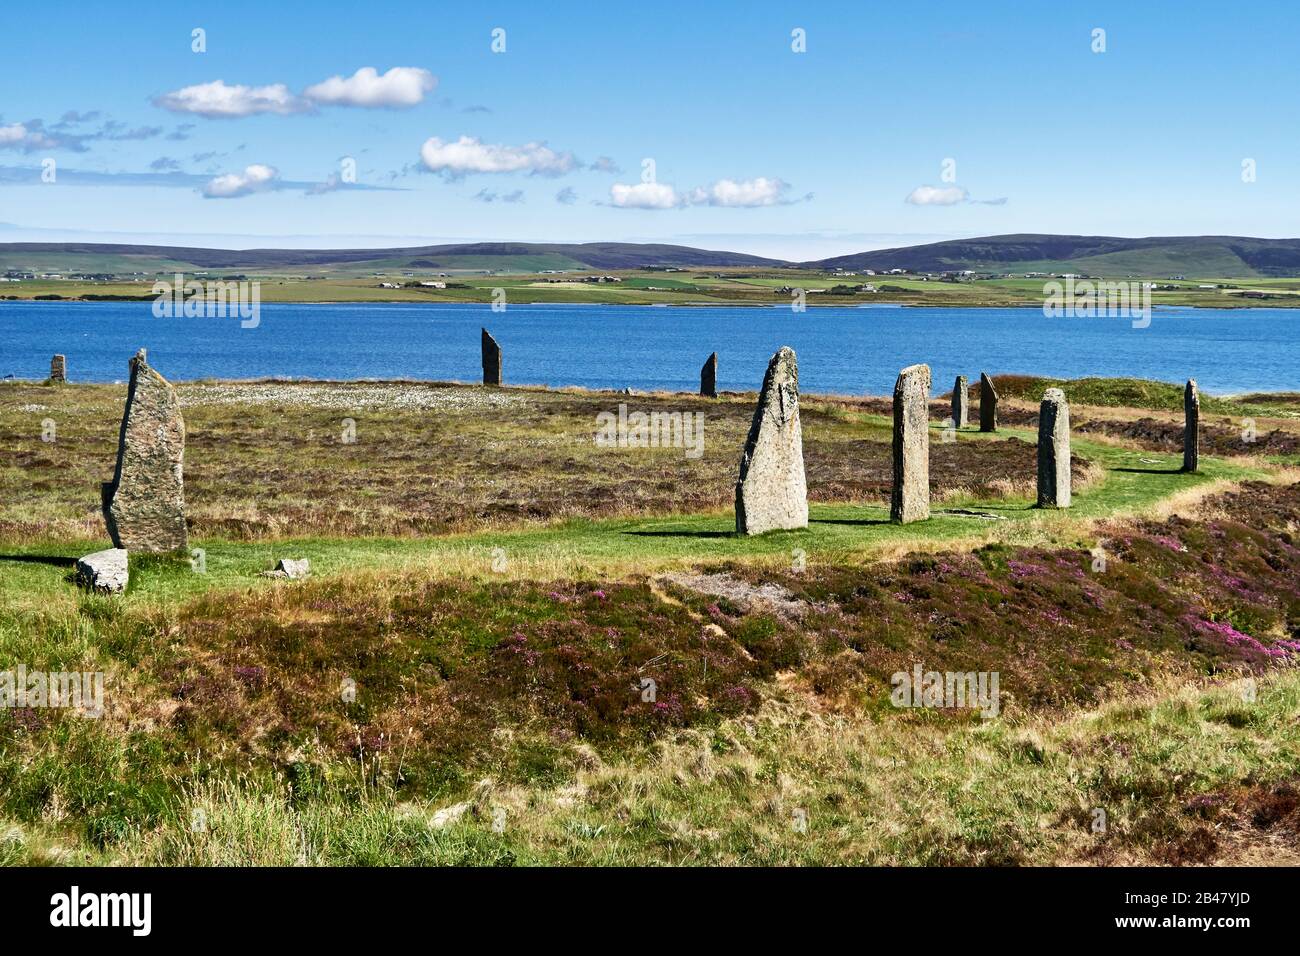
{"x": 474, "y": 279}
{"x": 490, "y": 657}
{"x": 1143, "y": 393}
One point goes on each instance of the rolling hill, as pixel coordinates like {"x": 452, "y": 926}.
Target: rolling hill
{"x": 1153, "y": 256}
{"x": 1157, "y": 256}
{"x": 516, "y": 256}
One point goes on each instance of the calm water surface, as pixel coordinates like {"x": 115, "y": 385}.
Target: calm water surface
{"x": 844, "y": 350}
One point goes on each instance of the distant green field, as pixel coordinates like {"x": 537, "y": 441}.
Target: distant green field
{"x": 551, "y": 278}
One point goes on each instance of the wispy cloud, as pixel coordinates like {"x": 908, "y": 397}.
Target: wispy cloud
{"x": 220, "y": 100}
{"x": 566, "y": 196}
{"x": 33, "y": 135}
{"x": 486, "y": 195}
{"x": 469, "y": 155}
{"x": 738, "y": 194}
{"x": 947, "y": 196}
{"x": 162, "y": 173}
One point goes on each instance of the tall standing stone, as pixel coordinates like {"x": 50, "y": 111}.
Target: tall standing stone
{"x": 1191, "y": 427}
{"x": 491, "y": 360}
{"x": 771, "y": 492}
{"x": 960, "y": 402}
{"x": 1054, "y": 450}
{"x": 709, "y": 377}
{"x": 988, "y": 404}
{"x": 910, "y": 498}
{"x": 144, "y": 504}
{"x": 58, "y": 369}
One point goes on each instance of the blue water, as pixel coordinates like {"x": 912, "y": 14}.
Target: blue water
{"x": 844, "y": 350}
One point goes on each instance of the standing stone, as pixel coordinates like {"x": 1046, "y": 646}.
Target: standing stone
{"x": 771, "y": 492}
{"x": 491, "y": 360}
{"x": 144, "y": 504}
{"x": 709, "y": 377}
{"x": 960, "y": 402}
{"x": 910, "y": 498}
{"x": 1191, "y": 427}
{"x": 1054, "y": 450}
{"x": 58, "y": 369}
{"x": 988, "y": 404}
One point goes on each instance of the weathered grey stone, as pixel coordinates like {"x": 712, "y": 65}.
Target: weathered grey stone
{"x": 144, "y": 504}
{"x": 58, "y": 369}
{"x": 1054, "y": 450}
{"x": 988, "y": 404}
{"x": 771, "y": 492}
{"x": 1191, "y": 427}
{"x": 910, "y": 498}
{"x": 290, "y": 569}
{"x": 104, "y": 572}
{"x": 709, "y": 377}
{"x": 491, "y": 360}
{"x": 960, "y": 402}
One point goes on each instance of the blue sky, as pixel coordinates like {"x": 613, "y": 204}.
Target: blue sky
{"x": 755, "y": 147}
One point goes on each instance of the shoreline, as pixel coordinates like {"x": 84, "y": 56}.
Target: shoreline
{"x": 1161, "y": 307}
{"x": 628, "y": 392}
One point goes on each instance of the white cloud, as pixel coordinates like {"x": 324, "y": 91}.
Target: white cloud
{"x": 645, "y": 196}
{"x": 401, "y": 86}
{"x": 20, "y": 136}
{"x": 253, "y": 179}
{"x": 218, "y": 100}
{"x": 470, "y": 155}
{"x": 750, "y": 192}
{"x": 937, "y": 196}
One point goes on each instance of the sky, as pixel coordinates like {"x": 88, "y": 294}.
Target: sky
{"x": 788, "y": 129}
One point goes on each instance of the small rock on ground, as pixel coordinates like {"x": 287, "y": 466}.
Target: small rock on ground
{"x": 104, "y": 572}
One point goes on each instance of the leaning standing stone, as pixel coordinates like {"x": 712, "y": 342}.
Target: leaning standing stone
{"x": 709, "y": 377}
{"x": 771, "y": 492}
{"x": 988, "y": 404}
{"x": 1191, "y": 427}
{"x": 491, "y": 360}
{"x": 58, "y": 369}
{"x": 144, "y": 504}
{"x": 960, "y": 403}
{"x": 1054, "y": 450}
{"x": 910, "y": 499}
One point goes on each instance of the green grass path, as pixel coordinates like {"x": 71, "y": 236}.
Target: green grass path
{"x": 1135, "y": 481}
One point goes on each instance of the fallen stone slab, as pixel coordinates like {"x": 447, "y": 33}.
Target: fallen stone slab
{"x": 104, "y": 572}
{"x": 768, "y": 596}
{"x": 290, "y": 569}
